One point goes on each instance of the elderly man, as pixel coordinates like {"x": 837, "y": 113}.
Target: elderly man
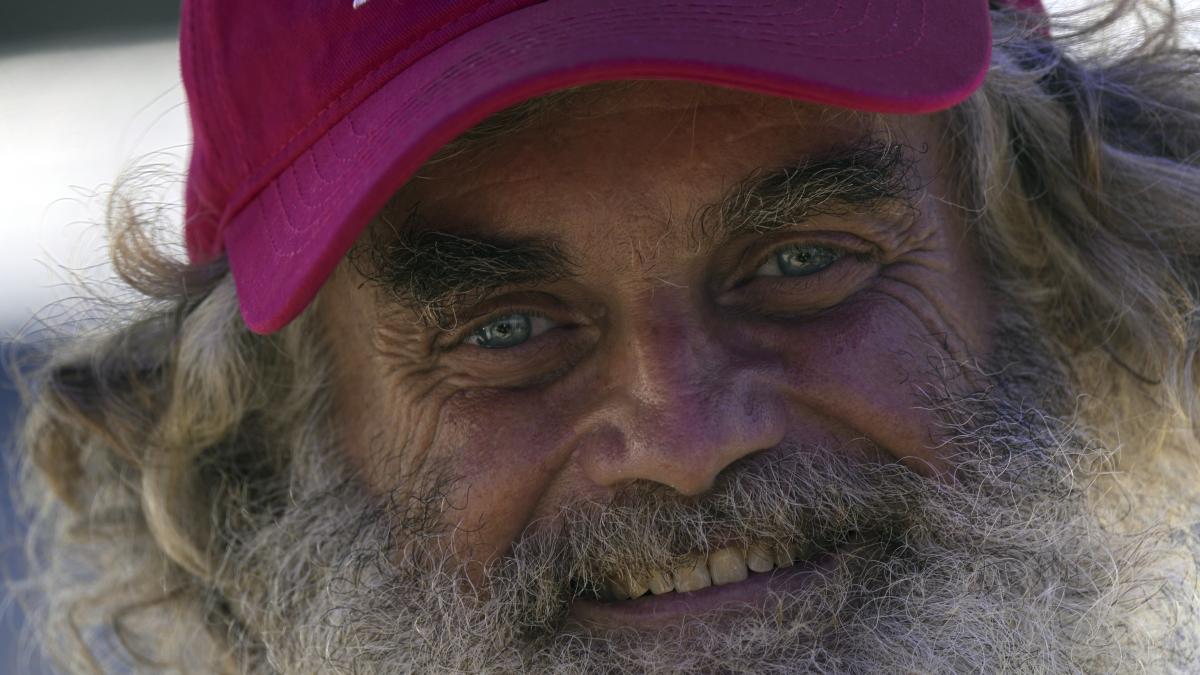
{"x": 576, "y": 336}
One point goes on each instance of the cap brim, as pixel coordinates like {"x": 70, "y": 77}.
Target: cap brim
{"x": 892, "y": 56}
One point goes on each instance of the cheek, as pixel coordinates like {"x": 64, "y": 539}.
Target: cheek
{"x": 863, "y": 366}
{"x": 507, "y": 450}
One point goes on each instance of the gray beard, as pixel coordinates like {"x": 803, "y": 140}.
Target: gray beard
{"x": 1005, "y": 566}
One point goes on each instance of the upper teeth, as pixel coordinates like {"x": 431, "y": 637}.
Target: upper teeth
{"x": 723, "y": 566}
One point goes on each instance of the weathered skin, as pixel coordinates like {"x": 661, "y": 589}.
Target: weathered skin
{"x": 654, "y": 368}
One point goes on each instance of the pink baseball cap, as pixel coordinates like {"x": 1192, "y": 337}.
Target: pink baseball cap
{"x": 307, "y": 116}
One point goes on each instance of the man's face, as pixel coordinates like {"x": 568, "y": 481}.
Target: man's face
{"x": 702, "y": 348}
{"x": 674, "y": 333}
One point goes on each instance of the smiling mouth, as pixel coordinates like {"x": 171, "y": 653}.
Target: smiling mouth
{"x": 721, "y": 567}
{"x": 733, "y": 577}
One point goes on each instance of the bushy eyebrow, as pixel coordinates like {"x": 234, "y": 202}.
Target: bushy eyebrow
{"x": 434, "y": 273}
{"x": 866, "y": 176}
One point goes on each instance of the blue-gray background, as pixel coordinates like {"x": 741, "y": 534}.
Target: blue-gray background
{"x": 12, "y": 660}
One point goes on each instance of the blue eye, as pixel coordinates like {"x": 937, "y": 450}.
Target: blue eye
{"x": 509, "y": 331}
{"x": 799, "y": 260}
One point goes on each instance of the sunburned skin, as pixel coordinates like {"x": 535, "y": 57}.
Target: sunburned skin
{"x": 663, "y": 357}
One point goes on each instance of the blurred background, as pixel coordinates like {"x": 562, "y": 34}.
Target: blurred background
{"x": 88, "y": 90}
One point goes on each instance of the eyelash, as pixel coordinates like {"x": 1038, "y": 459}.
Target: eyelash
{"x": 492, "y": 317}
{"x": 774, "y": 253}
{"x": 842, "y": 251}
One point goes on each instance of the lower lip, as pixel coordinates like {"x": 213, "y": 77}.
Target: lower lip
{"x": 657, "y": 611}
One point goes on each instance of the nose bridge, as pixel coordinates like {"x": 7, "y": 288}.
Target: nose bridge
{"x": 680, "y": 413}
{"x": 668, "y": 350}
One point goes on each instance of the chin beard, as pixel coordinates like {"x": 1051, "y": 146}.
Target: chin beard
{"x": 1002, "y": 565}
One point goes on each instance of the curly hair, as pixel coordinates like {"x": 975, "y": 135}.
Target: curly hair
{"x": 156, "y": 441}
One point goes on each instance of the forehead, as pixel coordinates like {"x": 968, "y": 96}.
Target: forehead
{"x": 621, "y": 99}
{"x": 647, "y": 142}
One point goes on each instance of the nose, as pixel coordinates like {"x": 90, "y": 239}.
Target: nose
{"x": 681, "y": 405}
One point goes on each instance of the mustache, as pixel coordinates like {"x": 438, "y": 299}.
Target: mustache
{"x": 788, "y": 499}
{"x": 791, "y": 498}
